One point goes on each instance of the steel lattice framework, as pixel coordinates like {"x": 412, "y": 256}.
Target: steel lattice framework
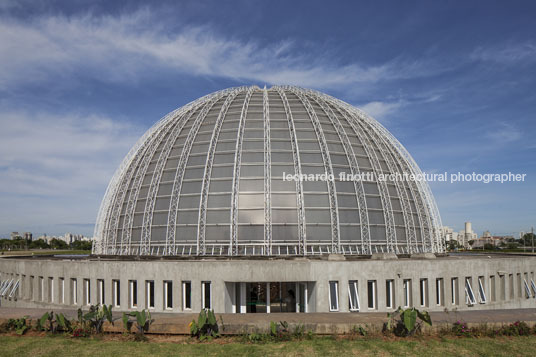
{"x": 217, "y": 177}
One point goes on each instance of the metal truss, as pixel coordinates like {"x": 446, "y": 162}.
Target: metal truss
{"x": 431, "y": 225}
{"x": 201, "y": 228}
{"x": 267, "y": 175}
{"x": 108, "y": 216}
{"x": 126, "y": 184}
{"x": 382, "y": 186}
{"x": 354, "y": 168}
{"x": 181, "y": 167}
{"x": 126, "y": 234}
{"x": 332, "y": 192}
{"x": 302, "y": 237}
{"x": 400, "y": 189}
{"x": 122, "y": 193}
{"x": 157, "y": 176}
{"x": 233, "y": 249}
{"x": 430, "y": 219}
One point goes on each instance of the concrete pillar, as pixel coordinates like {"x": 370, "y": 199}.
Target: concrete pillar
{"x": 343, "y": 295}
{"x": 381, "y": 291}
{"x": 196, "y": 295}
{"x": 108, "y": 292}
{"x": 177, "y": 296}
{"x": 322, "y": 300}
{"x": 218, "y": 295}
{"x": 159, "y": 297}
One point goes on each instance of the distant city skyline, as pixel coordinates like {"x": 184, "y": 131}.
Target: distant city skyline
{"x": 79, "y": 84}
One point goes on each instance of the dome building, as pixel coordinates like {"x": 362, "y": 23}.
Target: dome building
{"x": 256, "y": 200}
{"x": 211, "y": 178}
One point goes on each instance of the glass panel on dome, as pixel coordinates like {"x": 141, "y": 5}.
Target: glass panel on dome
{"x": 251, "y": 216}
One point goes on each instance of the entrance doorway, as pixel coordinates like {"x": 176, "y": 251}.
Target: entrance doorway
{"x": 270, "y": 297}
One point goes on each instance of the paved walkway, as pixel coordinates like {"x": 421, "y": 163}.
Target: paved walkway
{"x": 177, "y": 323}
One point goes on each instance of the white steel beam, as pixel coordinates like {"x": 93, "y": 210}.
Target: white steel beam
{"x": 233, "y": 247}
{"x": 354, "y": 169}
{"x": 181, "y": 167}
{"x": 302, "y": 237}
{"x": 332, "y": 192}
{"x": 201, "y": 227}
{"x": 267, "y": 175}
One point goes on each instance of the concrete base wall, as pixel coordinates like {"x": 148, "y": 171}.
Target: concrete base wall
{"x": 502, "y": 278}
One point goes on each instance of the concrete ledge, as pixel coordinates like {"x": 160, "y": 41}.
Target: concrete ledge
{"x": 383, "y": 256}
{"x": 423, "y": 256}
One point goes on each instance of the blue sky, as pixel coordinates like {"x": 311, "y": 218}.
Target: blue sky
{"x": 80, "y": 81}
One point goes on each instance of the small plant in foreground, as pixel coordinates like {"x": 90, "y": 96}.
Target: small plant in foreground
{"x": 280, "y": 331}
{"x": 143, "y": 323}
{"x": 20, "y": 326}
{"x": 459, "y": 328}
{"x": 206, "y": 326}
{"x": 404, "y": 323}
{"x": 358, "y": 330}
{"x": 518, "y": 328}
{"x": 97, "y": 315}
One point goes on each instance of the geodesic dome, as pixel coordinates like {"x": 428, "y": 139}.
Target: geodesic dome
{"x": 212, "y": 178}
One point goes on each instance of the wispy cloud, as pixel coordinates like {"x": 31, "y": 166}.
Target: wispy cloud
{"x": 58, "y": 155}
{"x": 380, "y": 110}
{"x": 504, "y": 133}
{"x": 506, "y": 53}
{"x": 123, "y": 49}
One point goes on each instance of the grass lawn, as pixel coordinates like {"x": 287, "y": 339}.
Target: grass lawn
{"x": 318, "y": 346}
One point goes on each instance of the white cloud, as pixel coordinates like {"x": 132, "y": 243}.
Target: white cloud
{"x": 506, "y": 54}
{"x": 380, "y": 110}
{"x": 504, "y": 133}
{"x": 126, "y": 47}
{"x": 49, "y": 155}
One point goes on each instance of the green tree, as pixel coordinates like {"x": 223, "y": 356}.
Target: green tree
{"x": 58, "y": 244}
{"x": 489, "y": 246}
{"x": 81, "y": 245}
{"x": 39, "y": 244}
{"x": 527, "y": 239}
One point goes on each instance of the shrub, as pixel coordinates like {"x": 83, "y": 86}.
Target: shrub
{"x": 404, "y": 322}
{"x": 459, "y": 328}
{"x": 206, "y": 326}
{"x": 518, "y": 328}
{"x": 143, "y": 323}
{"x": 280, "y": 331}
{"x": 97, "y": 315}
{"x": 20, "y": 326}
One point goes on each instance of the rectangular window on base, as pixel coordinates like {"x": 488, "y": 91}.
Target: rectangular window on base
{"x": 353, "y": 295}
{"x": 423, "y": 289}
{"x": 100, "y": 292}
{"x": 149, "y": 294}
{"x": 168, "y": 295}
{"x": 389, "y": 294}
{"x": 87, "y": 292}
{"x": 333, "y": 296}
{"x": 116, "y": 293}
{"x": 133, "y": 293}
{"x": 371, "y": 291}
{"x": 439, "y": 292}
{"x": 206, "y": 293}
{"x": 482, "y": 298}
{"x": 186, "y": 295}
{"x": 469, "y": 294}
{"x": 74, "y": 291}
{"x": 407, "y": 292}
